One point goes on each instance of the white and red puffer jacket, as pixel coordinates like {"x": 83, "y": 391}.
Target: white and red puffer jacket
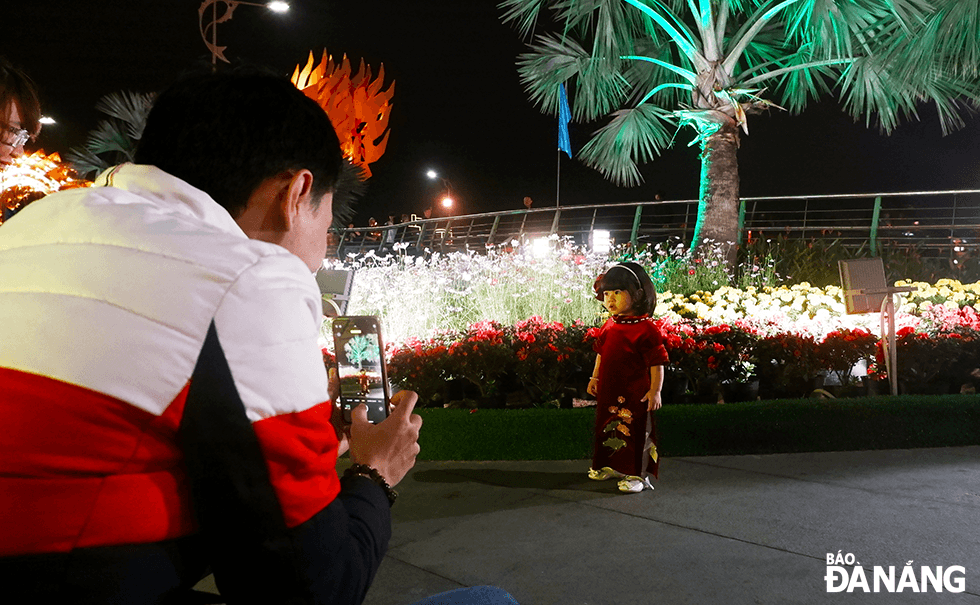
{"x": 164, "y": 407}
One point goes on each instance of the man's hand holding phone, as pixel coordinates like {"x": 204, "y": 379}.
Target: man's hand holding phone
{"x": 341, "y": 428}
{"x": 391, "y": 446}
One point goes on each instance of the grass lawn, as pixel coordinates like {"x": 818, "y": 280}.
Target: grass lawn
{"x": 759, "y": 427}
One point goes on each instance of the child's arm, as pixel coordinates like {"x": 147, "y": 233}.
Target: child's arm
{"x": 656, "y": 383}
{"x": 593, "y": 388}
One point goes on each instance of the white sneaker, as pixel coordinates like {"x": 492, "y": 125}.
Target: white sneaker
{"x": 604, "y": 473}
{"x": 633, "y": 484}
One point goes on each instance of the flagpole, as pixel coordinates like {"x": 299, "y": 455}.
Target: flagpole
{"x": 558, "y": 182}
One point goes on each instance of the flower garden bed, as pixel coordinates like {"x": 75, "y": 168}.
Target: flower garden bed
{"x": 508, "y": 328}
{"x": 548, "y": 363}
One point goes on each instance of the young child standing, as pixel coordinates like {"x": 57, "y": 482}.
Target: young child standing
{"x": 627, "y": 379}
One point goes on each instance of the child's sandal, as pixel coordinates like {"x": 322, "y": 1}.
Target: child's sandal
{"x": 632, "y": 484}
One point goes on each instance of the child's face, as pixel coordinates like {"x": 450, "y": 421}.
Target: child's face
{"x": 617, "y": 302}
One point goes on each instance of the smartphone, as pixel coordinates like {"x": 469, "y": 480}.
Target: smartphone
{"x": 359, "y": 350}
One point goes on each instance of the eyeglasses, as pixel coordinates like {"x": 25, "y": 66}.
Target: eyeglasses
{"x": 15, "y": 137}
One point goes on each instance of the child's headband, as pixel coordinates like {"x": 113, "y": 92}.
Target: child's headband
{"x": 632, "y": 272}
{"x": 598, "y": 280}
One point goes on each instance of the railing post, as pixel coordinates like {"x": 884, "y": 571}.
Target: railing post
{"x": 466, "y": 242}
{"x": 591, "y": 234}
{"x": 446, "y": 235}
{"x": 741, "y": 223}
{"x": 952, "y": 226}
{"x": 554, "y": 223}
{"x": 340, "y": 242}
{"x": 687, "y": 220}
{"x": 873, "y": 239}
{"x": 493, "y": 230}
{"x": 806, "y": 208}
{"x": 636, "y": 226}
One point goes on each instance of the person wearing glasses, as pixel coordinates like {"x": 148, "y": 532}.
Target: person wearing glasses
{"x": 20, "y": 112}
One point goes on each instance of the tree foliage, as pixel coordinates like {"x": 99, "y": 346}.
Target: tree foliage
{"x": 652, "y": 66}
{"x": 114, "y": 140}
{"x": 360, "y": 349}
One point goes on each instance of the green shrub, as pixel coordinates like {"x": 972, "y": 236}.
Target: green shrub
{"x": 763, "y": 427}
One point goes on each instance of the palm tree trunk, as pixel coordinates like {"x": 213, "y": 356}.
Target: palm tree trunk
{"x": 717, "y": 223}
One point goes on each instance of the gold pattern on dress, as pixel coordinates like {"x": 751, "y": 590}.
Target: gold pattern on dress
{"x": 614, "y": 443}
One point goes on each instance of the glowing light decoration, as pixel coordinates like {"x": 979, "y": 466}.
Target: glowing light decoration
{"x": 356, "y": 104}
{"x": 30, "y": 177}
{"x": 601, "y": 242}
{"x": 541, "y": 247}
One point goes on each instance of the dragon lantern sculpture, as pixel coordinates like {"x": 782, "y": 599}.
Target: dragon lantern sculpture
{"x": 355, "y": 103}
{"x": 31, "y": 177}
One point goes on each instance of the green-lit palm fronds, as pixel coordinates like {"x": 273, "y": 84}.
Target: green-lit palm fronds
{"x": 646, "y": 64}
{"x": 650, "y": 67}
{"x": 634, "y": 134}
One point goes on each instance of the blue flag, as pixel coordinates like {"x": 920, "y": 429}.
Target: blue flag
{"x": 564, "y": 116}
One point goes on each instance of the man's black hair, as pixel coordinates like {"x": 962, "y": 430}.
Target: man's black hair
{"x": 226, "y": 132}
{"x": 629, "y": 277}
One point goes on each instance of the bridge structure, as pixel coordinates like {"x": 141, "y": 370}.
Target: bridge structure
{"x": 937, "y": 223}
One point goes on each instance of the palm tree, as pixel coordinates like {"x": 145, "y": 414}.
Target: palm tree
{"x": 114, "y": 140}
{"x": 656, "y": 66}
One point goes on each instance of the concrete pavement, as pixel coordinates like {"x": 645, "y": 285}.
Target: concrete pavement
{"x": 729, "y": 529}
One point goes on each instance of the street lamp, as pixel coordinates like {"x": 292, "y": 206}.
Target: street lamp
{"x": 447, "y": 200}
{"x": 217, "y": 52}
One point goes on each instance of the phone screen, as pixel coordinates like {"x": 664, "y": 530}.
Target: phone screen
{"x": 360, "y": 366}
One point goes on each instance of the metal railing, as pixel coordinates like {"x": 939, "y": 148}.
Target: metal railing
{"x": 939, "y": 223}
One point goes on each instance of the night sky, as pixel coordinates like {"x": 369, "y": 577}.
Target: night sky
{"x": 458, "y": 106}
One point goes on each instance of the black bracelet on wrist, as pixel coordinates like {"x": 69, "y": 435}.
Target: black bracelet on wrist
{"x": 372, "y": 474}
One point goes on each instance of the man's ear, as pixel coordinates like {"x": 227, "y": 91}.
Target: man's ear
{"x": 297, "y": 192}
